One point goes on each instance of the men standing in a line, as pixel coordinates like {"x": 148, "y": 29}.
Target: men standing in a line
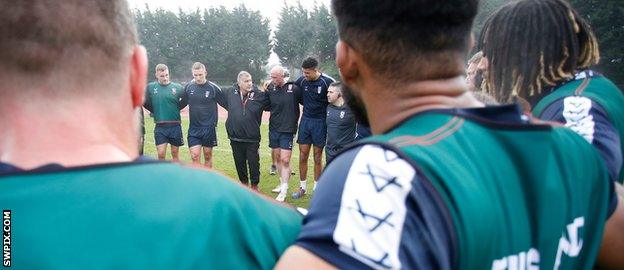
{"x": 312, "y": 128}
{"x": 284, "y": 98}
{"x": 245, "y": 104}
{"x": 340, "y": 122}
{"x": 200, "y": 94}
{"x": 163, "y": 100}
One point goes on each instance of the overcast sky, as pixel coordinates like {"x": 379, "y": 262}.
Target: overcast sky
{"x": 268, "y": 8}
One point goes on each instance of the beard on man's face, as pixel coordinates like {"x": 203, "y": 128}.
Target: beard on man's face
{"x": 356, "y": 105}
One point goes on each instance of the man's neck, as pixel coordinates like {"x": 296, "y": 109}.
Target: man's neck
{"x": 35, "y": 139}
{"x": 400, "y": 104}
{"x": 318, "y": 75}
{"x": 338, "y": 102}
{"x": 244, "y": 92}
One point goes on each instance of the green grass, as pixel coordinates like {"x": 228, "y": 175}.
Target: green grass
{"x": 223, "y": 161}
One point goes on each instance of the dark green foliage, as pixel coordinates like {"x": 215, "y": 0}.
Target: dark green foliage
{"x": 607, "y": 19}
{"x": 302, "y": 33}
{"x": 226, "y": 41}
{"x": 486, "y": 8}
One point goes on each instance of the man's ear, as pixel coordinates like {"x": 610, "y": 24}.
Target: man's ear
{"x": 346, "y": 61}
{"x": 138, "y": 75}
{"x": 483, "y": 64}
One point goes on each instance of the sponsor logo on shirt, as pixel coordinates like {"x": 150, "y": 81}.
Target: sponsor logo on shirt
{"x": 342, "y": 114}
{"x": 570, "y": 244}
{"x": 319, "y": 90}
{"x": 207, "y": 93}
{"x": 290, "y": 86}
{"x": 155, "y": 91}
{"x": 173, "y": 90}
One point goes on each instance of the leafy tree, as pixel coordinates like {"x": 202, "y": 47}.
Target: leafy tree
{"x": 607, "y": 19}
{"x": 325, "y": 38}
{"x": 301, "y": 33}
{"x": 294, "y": 36}
{"x": 225, "y": 41}
{"x": 486, "y": 8}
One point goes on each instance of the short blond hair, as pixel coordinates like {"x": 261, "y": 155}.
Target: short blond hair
{"x": 198, "y": 66}
{"x": 161, "y": 67}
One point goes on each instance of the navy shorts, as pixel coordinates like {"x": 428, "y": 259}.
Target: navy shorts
{"x": 281, "y": 140}
{"x": 312, "y": 131}
{"x": 206, "y": 137}
{"x": 168, "y": 133}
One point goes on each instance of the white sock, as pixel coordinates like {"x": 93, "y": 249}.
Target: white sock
{"x": 314, "y": 187}
{"x": 284, "y": 187}
{"x": 302, "y": 184}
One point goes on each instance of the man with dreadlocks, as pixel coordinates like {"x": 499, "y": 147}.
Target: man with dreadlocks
{"x": 445, "y": 183}
{"x": 547, "y": 64}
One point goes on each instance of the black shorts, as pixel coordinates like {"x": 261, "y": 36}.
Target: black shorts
{"x": 281, "y": 140}
{"x": 204, "y": 136}
{"x": 168, "y": 133}
{"x": 312, "y": 131}
{"x": 330, "y": 154}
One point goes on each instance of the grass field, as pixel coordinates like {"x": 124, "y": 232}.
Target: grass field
{"x": 224, "y": 162}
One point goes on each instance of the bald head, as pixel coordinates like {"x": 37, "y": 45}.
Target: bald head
{"x": 277, "y": 75}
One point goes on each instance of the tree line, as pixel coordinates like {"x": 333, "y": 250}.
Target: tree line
{"x": 228, "y": 41}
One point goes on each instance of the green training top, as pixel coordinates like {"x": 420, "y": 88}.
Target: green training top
{"x": 600, "y": 90}
{"x": 164, "y": 101}
{"x": 519, "y": 195}
{"x": 147, "y": 215}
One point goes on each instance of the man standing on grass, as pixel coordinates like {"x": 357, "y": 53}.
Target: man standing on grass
{"x": 78, "y": 194}
{"x": 340, "y": 122}
{"x": 284, "y": 99}
{"x": 245, "y": 104}
{"x": 312, "y": 128}
{"x": 200, "y": 94}
{"x": 163, "y": 100}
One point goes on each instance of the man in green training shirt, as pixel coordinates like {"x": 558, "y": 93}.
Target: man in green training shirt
{"x": 445, "y": 183}
{"x": 162, "y": 98}
{"x": 549, "y": 66}
{"x": 74, "y": 193}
